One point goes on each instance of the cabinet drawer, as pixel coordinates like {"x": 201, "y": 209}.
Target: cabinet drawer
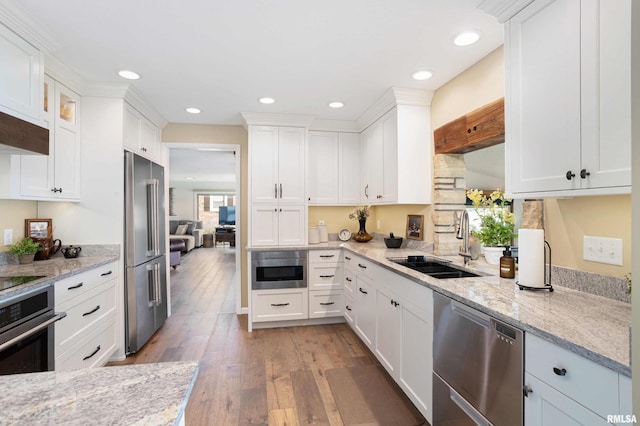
{"x": 79, "y": 284}
{"x": 325, "y": 303}
{"x": 364, "y": 267}
{"x": 332, "y": 256}
{"x": 349, "y": 308}
{"x": 82, "y": 318}
{"x": 279, "y": 305}
{"x": 349, "y": 280}
{"x": 325, "y": 276}
{"x": 92, "y": 351}
{"x": 584, "y": 381}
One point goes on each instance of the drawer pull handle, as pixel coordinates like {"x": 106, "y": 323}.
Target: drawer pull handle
{"x": 362, "y": 266}
{"x": 327, "y": 303}
{"x": 91, "y": 311}
{"x": 347, "y": 257}
{"x": 327, "y": 255}
{"x": 348, "y": 279}
{"x": 560, "y": 371}
{"x": 526, "y": 391}
{"x": 279, "y": 304}
{"x": 92, "y": 354}
{"x": 348, "y": 308}
{"x": 73, "y": 287}
{"x": 104, "y": 274}
{"x": 327, "y": 276}
{"x": 362, "y": 291}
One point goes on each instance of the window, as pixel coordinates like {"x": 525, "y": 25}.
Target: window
{"x": 208, "y": 208}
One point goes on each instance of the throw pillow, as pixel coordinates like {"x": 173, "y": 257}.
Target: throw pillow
{"x": 181, "y": 230}
{"x": 190, "y": 226}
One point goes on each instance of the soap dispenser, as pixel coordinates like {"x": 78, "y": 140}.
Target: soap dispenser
{"x": 507, "y": 264}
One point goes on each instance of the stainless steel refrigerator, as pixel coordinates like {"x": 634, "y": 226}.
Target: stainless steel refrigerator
{"x": 145, "y": 253}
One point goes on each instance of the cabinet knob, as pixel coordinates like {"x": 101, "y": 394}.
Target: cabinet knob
{"x": 526, "y": 391}
{"x": 379, "y": 196}
{"x": 570, "y": 175}
{"x": 560, "y": 371}
{"x": 584, "y": 173}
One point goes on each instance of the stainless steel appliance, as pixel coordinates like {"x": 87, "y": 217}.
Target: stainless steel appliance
{"x": 278, "y": 269}
{"x": 478, "y": 367}
{"x": 26, "y": 331}
{"x": 145, "y": 251}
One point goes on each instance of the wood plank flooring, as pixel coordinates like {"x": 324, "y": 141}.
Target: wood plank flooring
{"x": 270, "y": 376}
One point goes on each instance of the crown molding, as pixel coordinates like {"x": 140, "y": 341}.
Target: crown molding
{"x": 335, "y": 126}
{"x": 266, "y": 119}
{"x": 135, "y": 99}
{"x": 393, "y": 97}
{"x": 503, "y": 10}
{"x": 65, "y": 75}
{"x": 106, "y": 90}
{"x": 17, "y": 20}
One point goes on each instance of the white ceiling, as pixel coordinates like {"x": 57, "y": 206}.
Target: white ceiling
{"x": 222, "y": 55}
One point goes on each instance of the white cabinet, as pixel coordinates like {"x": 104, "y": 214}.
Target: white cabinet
{"x": 397, "y": 157}
{"x": 279, "y": 305}
{"x": 141, "y": 136}
{"x": 567, "y": 103}
{"x": 324, "y": 280}
{"x": 273, "y": 225}
{"x": 334, "y": 168}
{"x": 562, "y": 387}
{"x": 365, "y": 316}
{"x": 277, "y": 158}
{"x": 388, "y": 330}
{"x": 86, "y": 336}
{"x": 21, "y": 77}
{"x": 56, "y": 176}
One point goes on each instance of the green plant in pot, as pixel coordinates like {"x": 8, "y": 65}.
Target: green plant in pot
{"x": 24, "y": 250}
{"x": 497, "y": 223}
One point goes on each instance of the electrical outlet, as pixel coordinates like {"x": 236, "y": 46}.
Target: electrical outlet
{"x": 378, "y": 224}
{"x": 8, "y": 237}
{"x": 602, "y": 250}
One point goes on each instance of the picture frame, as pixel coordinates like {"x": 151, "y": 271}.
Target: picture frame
{"x": 415, "y": 226}
{"x": 38, "y": 229}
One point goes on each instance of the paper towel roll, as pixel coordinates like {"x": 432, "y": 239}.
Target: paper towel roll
{"x": 531, "y": 257}
{"x": 314, "y": 235}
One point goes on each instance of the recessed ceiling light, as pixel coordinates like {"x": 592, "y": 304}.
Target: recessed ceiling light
{"x": 466, "y": 38}
{"x": 266, "y": 100}
{"x": 336, "y": 104}
{"x": 192, "y": 110}
{"x": 421, "y": 75}
{"x": 129, "y": 75}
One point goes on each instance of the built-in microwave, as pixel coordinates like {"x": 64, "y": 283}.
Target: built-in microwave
{"x": 278, "y": 269}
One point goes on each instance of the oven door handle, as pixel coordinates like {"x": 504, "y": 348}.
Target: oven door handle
{"x": 32, "y": 331}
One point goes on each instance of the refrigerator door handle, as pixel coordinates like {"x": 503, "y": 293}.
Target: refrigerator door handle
{"x": 153, "y": 232}
{"x": 155, "y": 293}
{"x": 158, "y": 283}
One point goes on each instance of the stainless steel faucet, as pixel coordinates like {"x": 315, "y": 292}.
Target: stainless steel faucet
{"x": 463, "y": 234}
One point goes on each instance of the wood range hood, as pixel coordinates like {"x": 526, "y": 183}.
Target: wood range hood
{"x": 481, "y": 128}
{"x": 21, "y": 137}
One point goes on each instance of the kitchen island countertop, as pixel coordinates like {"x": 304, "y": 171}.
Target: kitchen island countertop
{"x": 142, "y": 394}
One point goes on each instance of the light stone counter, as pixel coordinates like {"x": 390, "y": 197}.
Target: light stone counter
{"x": 592, "y": 326}
{"x": 143, "y": 394}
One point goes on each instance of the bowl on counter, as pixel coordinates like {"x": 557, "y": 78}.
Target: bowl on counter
{"x": 393, "y": 242}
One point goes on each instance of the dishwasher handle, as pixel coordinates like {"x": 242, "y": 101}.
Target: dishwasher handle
{"x": 471, "y": 314}
{"x": 468, "y": 409}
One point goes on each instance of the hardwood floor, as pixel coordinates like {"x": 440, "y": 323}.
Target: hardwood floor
{"x": 282, "y": 376}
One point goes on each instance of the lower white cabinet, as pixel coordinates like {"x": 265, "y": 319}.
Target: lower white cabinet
{"x": 273, "y": 225}
{"x": 564, "y": 388}
{"x": 279, "y": 305}
{"x": 86, "y": 337}
{"x": 365, "y": 316}
{"x": 324, "y": 280}
{"x": 325, "y": 303}
{"x": 388, "y": 329}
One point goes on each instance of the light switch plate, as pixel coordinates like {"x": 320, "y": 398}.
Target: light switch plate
{"x": 8, "y": 237}
{"x": 602, "y": 250}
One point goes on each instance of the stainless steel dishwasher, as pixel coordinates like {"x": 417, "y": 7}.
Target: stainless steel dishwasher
{"x": 478, "y": 367}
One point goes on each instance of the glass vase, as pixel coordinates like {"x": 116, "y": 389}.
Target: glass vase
{"x": 362, "y": 236}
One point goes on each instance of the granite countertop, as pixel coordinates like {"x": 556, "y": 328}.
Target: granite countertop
{"x": 142, "y": 394}
{"x": 594, "y": 327}
{"x": 53, "y": 270}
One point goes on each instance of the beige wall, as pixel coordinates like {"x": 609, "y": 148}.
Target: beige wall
{"x": 217, "y": 134}
{"x": 566, "y": 220}
{"x": 12, "y": 216}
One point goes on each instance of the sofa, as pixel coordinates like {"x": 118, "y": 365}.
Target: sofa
{"x": 191, "y": 233}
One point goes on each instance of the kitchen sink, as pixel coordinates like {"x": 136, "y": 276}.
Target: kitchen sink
{"x": 434, "y": 268}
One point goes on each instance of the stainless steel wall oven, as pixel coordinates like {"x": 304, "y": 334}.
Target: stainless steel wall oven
{"x": 26, "y": 332}
{"x": 278, "y": 269}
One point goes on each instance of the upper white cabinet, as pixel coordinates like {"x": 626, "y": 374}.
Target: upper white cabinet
{"x": 567, "y": 104}
{"x": 21, "y": 77}
{"x": 56, "y": 176}
{"x": 141, "y": 135}
{"x": 333, "y": 168}
{"x": 277, "y": 164}
{"x": 273, "y": 225}
{"x": 397, "y": 157}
